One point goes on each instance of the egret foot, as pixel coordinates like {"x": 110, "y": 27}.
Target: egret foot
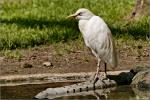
{"x": 94, "y": 78}
{"x": 102, "y": 76}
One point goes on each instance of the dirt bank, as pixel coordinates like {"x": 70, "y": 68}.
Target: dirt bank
{"x": 76, "y": 60}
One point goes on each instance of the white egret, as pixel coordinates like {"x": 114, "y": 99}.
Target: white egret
{"x": 97, "y": 36}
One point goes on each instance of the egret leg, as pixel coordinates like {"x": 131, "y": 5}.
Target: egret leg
{"x": 95, "y": 76}
{"x": 97, "y": 71}
{"x": 105, "y": 75}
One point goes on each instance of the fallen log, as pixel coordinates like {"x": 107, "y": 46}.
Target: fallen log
{"x": 139, "y": 76}
{"x": 122, "y": 78}
{"x": 76, "y": 89}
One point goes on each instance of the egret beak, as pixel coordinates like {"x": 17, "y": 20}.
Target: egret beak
{"x": 71, "y": 16}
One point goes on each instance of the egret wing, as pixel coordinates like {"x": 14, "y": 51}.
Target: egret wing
{"x": 99, "y": 39}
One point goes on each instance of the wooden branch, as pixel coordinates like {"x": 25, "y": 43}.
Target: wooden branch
{"x": 79, "y": 88}
{"x": 122, "y": 78}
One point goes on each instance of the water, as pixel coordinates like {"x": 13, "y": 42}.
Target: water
{"x": 117, "y": 93}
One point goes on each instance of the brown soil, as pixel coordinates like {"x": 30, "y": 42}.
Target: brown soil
{"x": 72, "y": 61}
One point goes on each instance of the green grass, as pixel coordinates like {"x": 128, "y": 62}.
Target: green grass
{"x": 29, "y": 23}
{"x": 12, "y": 54}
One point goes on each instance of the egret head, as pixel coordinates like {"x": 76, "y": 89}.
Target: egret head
{"x": 82, "y": 14}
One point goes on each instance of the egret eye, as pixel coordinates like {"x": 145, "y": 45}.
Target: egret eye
{"x": 79, "y": 14}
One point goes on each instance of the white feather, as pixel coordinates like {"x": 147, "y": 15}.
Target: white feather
{"x": 97, "y": 36}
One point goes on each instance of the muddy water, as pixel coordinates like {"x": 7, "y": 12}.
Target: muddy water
{"x": 29, "y": 91}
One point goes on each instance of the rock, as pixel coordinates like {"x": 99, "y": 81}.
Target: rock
{"x": 27, "y": 65}
{"x": 1, "y": 58}
{"x": 142, "y": 78}
{"x": 124, "y": 78}
{"x": 47, "y": 64}
{"x": 139, "y": 68}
